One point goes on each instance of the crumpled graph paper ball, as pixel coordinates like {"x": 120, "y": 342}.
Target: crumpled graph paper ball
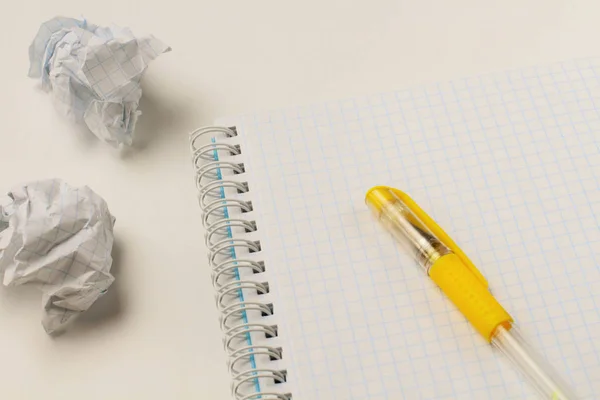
{"x": 58, "y": 238}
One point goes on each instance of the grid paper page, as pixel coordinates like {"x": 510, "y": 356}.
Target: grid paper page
{"x": 508, "y": 164}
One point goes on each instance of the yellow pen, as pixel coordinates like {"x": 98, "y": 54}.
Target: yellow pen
{"x": 455, "y": 274}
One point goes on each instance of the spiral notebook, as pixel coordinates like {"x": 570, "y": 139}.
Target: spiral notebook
{"x": 318, "y": 302}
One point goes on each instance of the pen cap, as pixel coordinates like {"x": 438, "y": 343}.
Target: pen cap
{"x": 406, "y": 226}
{"x": 379, "y": 199}
{"x": 441, "y": 258}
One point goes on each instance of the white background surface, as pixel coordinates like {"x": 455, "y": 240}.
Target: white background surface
{"x": 155, "y": 335}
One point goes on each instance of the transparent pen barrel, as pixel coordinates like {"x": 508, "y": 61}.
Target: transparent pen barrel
{"x": 532, "y": 365}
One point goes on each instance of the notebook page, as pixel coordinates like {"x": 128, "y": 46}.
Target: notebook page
{"x": 508, "y": 164}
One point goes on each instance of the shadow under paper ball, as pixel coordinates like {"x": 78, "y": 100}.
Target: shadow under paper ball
{"x": 160, "y": 120}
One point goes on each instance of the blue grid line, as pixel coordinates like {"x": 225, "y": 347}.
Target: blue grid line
{"x": 370, "y": 275}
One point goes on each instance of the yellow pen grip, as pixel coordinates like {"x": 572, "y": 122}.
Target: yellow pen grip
{"x": 468, "y": 293}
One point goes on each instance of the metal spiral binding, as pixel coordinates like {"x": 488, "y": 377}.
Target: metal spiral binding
{"x": 226, "y": 237}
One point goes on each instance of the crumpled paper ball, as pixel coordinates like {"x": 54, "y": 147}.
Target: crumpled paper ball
{"x": 94, "y": 73}
{"x": 58, "y": 238}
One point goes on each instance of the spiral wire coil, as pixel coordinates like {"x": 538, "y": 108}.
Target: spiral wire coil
{"x": 250, "y": 361}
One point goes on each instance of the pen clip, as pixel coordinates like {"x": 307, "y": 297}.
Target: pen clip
{"x": 439, "y": 233}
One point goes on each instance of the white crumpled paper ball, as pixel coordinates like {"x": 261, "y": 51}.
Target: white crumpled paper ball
{"x": 94, "y": 73}
{"x": 58, "y": 238}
